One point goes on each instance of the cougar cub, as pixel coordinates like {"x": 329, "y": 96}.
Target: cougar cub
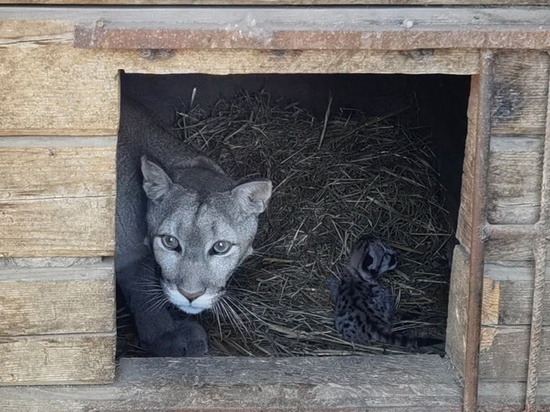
{"x": 363, "y": 308}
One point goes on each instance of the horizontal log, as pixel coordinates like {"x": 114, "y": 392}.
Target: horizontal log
{"x": 77, "y": 299}
{"x": 57, "y": 227}
{"x": 57, "y": 359}
{"x": 381, "y": 383}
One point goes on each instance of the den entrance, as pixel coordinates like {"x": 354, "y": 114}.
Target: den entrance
{"x": 348, "y": 155}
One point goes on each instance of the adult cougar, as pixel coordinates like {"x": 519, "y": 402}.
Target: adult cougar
{"x": 182, "y": 226}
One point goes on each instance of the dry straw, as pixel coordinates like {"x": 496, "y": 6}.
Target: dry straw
{"x": 334, "y": 180}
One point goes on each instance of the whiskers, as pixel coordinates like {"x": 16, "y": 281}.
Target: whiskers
{"x": 231, "y": 310}
{"x": 149, "y": 284}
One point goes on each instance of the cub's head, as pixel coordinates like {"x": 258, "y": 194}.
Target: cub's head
{"x": 371, "y": 257}
{"x": 198, "y": 238}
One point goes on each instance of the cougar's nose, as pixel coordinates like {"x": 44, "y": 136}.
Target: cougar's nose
{"x": 191, "y": 296}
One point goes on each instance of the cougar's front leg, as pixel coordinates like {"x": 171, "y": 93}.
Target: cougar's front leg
{"x": 158, "y": 332}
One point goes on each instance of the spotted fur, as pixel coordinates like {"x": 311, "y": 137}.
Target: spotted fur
{"x": 363, "y": 307}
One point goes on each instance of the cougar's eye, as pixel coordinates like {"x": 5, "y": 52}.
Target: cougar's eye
{"x": 169, "y": 242}
{"x": 221, "y": 247}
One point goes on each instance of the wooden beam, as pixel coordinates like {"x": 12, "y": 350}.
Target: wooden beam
{"x": 58, "y": 227}
{"x": 504, "y": 353}
{"x": 65, "y": 91}
{"x": 78, "y": 299}
{"x": 45, "y": 168}
{"x": 57, "y": 196}
{"x": 57, "y": 359}
{"x": 514, "y": 180}
{"x": 508, "y": 295}
{"x": 288, "y": 2}
{"x": 381, "y": 383}
{"x": 520, "y": 96}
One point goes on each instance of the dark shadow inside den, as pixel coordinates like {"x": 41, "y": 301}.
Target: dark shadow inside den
{"x": 348, "y": 154}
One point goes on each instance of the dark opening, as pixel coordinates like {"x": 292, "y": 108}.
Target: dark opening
{"x": 428, "y": 110}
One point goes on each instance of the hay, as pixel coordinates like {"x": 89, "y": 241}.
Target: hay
{"x": 334, "y": 180}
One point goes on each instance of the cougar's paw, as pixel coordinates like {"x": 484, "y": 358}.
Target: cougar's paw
{"x": 187, "y": 339}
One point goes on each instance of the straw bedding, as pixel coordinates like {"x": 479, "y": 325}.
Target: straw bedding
{"x": 334, "y": 179}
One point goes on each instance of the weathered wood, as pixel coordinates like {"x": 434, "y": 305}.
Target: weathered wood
{"x": 504, "y": 353}
{"x": 67, "y": 91}
{"x": 40, "y": 168}
{"x": 57, "y": 196}
{"x": 57, "y": 300}
{"x": 515, "y": 178}
{"x": 57, "y": 359}
{"x": 385, "y": 383}
{"x": 521, "y": 93}
{"x": 513, "y": 249}
{"x": 287, "y": 2}
{"x": 455, "y": 341}
{"x": 510, "y": 396}
{"x": 464, "y": 226}
{"x": 57, "y": 227}
{"x": 508, "y": 295}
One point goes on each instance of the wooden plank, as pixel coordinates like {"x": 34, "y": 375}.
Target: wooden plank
{"x": 67, "y": 91}
{"x": 287, "y": 2}
{"x": 513, "y": 249}
{"x": 57, "y": 227}
{"x": 69, "y": 167}
{"x": 381, "y": 383}
{"x": 504, "y": 353}
{"x": 57, "y": 359}
{"x": 455, "y": 341}
{"x": 514, "y": 181}
{"x": 77, "y": 299}
{"x": 508, "y": 295}
{"x": 521, "y": 93}
{"x": 64, "y": 204}
{"x": 510, "y": 396}
{"x": 464, "y": 226}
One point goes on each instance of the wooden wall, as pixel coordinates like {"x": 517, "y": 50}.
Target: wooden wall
{"x": 58, "y": 125}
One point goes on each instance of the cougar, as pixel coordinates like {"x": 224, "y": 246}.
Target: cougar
{"x": 182, "y": 227}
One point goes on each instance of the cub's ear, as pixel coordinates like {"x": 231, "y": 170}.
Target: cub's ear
{"x": 253, "y": 196}
{"x": 156, "y": 183}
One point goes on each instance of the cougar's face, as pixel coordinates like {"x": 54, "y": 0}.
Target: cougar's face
{"x": 198, "y": 246}
{"x": 198, "y": 239}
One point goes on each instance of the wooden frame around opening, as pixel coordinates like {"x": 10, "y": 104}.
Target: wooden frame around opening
{"x": 421, "y": 42}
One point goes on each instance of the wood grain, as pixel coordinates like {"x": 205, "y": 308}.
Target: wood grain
{"x": 57, "y": 196}
{"x": 286, "y": 2}
{"x": 521, "y": 93}
{"x": 78, "y": 299}
{"x": 57, "y": 359}
{"x": 68, "y": 91}
{"x": 508, "y": 295}
{"x": 455, "y": 342}
{"x": 381, "y": 383}
{"x": 504, "y": 353}
{"x": 510, "y": 396}
{"x": 514, "y": 181}
{"x": 467, "y": 193}
{"x": 57, "y": 227}
{"x": 42, "y": 169}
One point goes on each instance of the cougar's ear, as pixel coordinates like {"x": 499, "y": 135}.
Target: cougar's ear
{"x": 155, "y": 182}
{"x": 253, "y": 196}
